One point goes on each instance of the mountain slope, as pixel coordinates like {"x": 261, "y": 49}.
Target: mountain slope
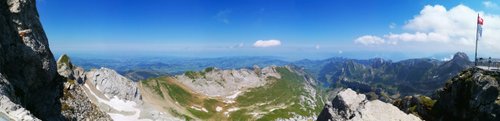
{"x": 248, "y": 94}
{"x": 386, "y": 78}
{"x": 103, "y": 94}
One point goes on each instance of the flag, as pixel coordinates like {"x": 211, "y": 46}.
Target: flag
{"x": 480, "y": 22}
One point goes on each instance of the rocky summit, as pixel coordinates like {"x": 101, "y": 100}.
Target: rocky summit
{"x": 349, "y": 105}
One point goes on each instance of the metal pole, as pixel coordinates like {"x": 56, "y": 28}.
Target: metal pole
{"x": 475, "y": 54}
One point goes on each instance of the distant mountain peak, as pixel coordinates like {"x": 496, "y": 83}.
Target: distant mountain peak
{"x": 460, "y": 56}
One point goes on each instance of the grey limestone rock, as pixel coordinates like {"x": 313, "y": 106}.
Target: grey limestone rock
{"x": 348, "y": 105}
{"x": 27, "y": 63}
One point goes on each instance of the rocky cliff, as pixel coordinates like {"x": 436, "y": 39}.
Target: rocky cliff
{"x": 471, "y": 95}
{"x": 349, "y": 105}
{"x": 29, "y": 86}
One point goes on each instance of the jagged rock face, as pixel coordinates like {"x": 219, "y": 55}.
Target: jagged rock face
{"x": 472, "y": 95}
{"x": 349, "y": 105}
{"x": 110, "y": 83}
{"x": 8, "y": 109}
{"x": 26, "y": 62}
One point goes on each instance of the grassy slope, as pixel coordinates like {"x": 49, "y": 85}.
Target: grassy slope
{"x": 285, "y": 91}
{"x": 281, "y": 94}
{"x": 184, "y": 97}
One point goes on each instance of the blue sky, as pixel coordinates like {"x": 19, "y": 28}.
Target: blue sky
{"x": 203, "y": 28}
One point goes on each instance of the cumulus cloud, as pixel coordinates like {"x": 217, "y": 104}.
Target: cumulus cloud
{"x": 417, "y": 36}
{"x": 437, "y": 26}
{"x": 369, "y": 40}
{"x": 267, "y": 43}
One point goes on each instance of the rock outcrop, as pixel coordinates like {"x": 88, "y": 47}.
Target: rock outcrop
{"x": 418, "y": 105}
{"x": 29, "y": 86}
{"x": 473, "y": 95}
{"x": 99, "y": 94}
{"x": 111, "y": 84}
{"x": 75, "y": 103}
{"x": 349, "y": 105}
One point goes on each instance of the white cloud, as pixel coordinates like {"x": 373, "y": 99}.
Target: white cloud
{"x": 417, "y": 36}
{"x": 267, "y": 43}
{"x": 435, "y": 26}
{"x": 317, "y": 47}
{"x": 489, "y": 4}
{"x": 447, "y": 58}
{"x": 369, "y": 40}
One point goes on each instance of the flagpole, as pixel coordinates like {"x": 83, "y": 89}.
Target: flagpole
{"x": 475, "y": 54}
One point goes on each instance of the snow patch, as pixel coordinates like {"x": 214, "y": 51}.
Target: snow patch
{"x": 218, "y": 109}
{"x": 229, "y": 101}
{"x": 119, "y": 105}
{"x": 199, "y": 109}
{"x": 233, "y": 109}
{"x": 230, "y": 110}
{"x": 234, "y": 95}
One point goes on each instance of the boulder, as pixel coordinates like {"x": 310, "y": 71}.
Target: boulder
{"x": 348, "y": 105}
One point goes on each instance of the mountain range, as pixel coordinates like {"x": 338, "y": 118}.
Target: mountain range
{"x": 34, "y": 86}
